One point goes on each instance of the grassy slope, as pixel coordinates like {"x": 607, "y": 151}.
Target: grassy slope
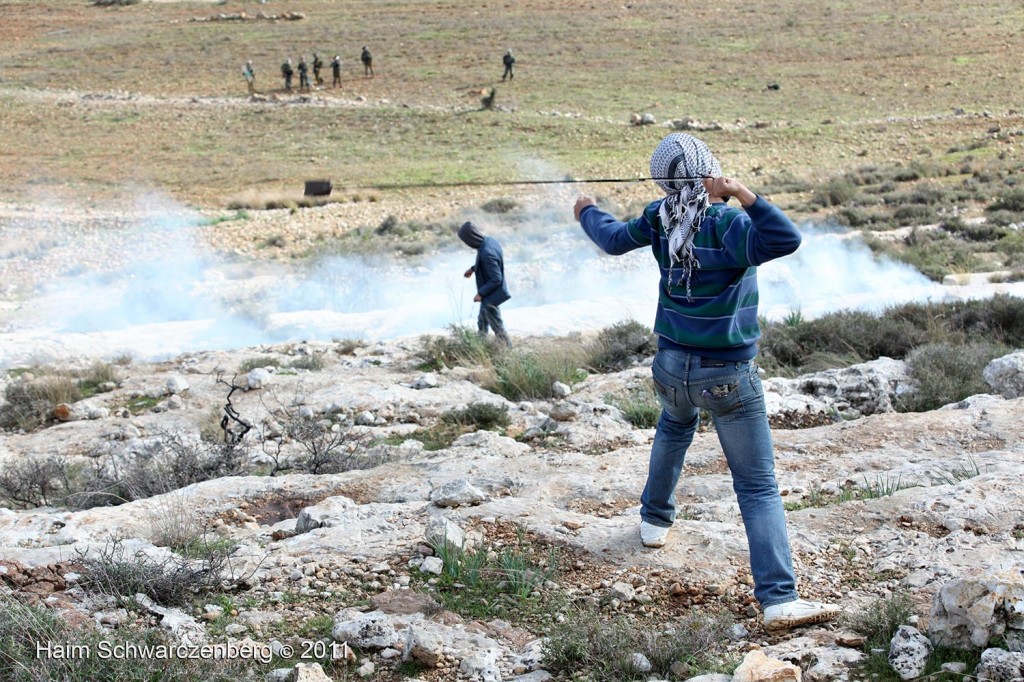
{"x": 182, "y": 122}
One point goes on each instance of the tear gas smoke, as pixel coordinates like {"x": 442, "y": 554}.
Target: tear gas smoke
{"x": 165, "y": 295}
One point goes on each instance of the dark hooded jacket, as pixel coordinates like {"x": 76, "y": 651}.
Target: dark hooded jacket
{"x": 489, "y": 267}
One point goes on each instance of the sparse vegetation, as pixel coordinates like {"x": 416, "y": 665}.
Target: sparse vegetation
{"x": 879, "y": 621}
{"x": 170, "y": 580}
{"x": 604, "y": 650}
{"x": 462, "y": 347}
{"x": 620, "y": 346}
{"x": 945, "y": 373}
{"x": 525, "y": 375}
{"x": 854, "y": 336}
{"x": 499, "y": 205}
{"x": 884, "y": 485}
{"x": 348, "y": 346}
{"x": 313, "y": 362}
{"x": 325, "y": 448}
{"x": 639, "y": 405}
{"x": 510, "y": 584}
{"x": 260, "y": 362}
{"x": 488, "y": 416}
{"x": 23, "y": 627}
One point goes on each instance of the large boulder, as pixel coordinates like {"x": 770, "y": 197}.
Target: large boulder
{"x": 1005, "y": 375}
{"x": 969, "y": 612}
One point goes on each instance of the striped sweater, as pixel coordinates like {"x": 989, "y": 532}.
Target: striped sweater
{"x": 721, "y": 319}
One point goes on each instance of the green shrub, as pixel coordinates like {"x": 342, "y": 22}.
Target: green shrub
{"x": 463, "y": 347}
{"x": 311, "y": 363}
{"x": 500, "y": 205}
{"x": 530, "y": 375}
{"x": 260, "y": 362}
{"x": 944, "y": 373}
{"x": 487, "y": 416}
{"x": 914, "y": 214}
{"x": 620, "y": 346}
{"x": 880, "y": 619}
{"x": 835, "y": 192}
{"x": 936, "y": 254}
{"x": 852, "y": 216}
{"x": 1011, "y": 200}
{"x": 974, "y": 232}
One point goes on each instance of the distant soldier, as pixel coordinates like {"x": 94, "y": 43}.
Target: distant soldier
{"x": 303, "y": 74}
{"x": 317, "y": 65}
{"x": 250, "y": 76}
{"x": 287, "y": 72}
{"x": 508, "y": 60}
{"x": 336, "y": 71}
{"x": 367, "y": 60}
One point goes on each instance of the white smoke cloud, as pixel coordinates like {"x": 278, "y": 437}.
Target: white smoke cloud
{"x": 160, "y": 294}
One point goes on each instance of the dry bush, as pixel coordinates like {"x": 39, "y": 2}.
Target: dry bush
{"x": 23, "y": 627}
{"x": 35, "y": 481}
{"x": 117, "y": 572}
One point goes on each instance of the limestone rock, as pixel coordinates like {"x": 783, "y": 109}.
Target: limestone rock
{"x": 370, "y": 630}
{"x": 908, "y": 652}
{"x": 757, "y": 667}
{"x": 998, "y": 665}
{"x": 176, "y": 385}
{"x": 308, "y": 672}
{"x": 969, "y": 612}
{"x": 1006, "y": 375}
{"x": 441, "y": 530}
{"x": 457, "y": 493}
{"x": 258, "y": 378}
{"x": 323, "y": 515}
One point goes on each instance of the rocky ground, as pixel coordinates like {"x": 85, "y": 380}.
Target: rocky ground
{"x": 354, "y": 547}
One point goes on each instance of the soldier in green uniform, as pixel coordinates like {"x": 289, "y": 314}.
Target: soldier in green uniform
{"x": 303, "y": 74}
{"x": 508, "y": 60}
{"x": 287, "y": 72}
{"x": 336, "y": 71}
{"x": 317, "y": 65}
{"x": 367, "y": 60}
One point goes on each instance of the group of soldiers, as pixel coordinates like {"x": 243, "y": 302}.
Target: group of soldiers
{"x": 288, "y": 71}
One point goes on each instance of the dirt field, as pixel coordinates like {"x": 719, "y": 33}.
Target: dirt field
{"x": 99, "y": 103}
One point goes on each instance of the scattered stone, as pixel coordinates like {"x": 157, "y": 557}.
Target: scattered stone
{"x": 457, "y": 493}
{"x": 998, "y": 665}
{"x": 908, "y": 652}
{"x": 757, "y": 667}
{"x": 560, "y": 390}
{"x": 176, "y": 385}
{"x": 426, "y": 381}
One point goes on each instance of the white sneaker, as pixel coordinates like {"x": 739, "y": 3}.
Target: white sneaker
{"x": 653, "y": 536}
{"x": 798, "y": 612}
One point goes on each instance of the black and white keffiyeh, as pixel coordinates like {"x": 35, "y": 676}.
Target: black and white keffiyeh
{"x": 685, "y": 157}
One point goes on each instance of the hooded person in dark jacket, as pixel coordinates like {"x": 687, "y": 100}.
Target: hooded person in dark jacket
{"x": 491, "y": 288}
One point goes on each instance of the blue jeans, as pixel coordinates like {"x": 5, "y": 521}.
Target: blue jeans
{"x": 732, "y": 393}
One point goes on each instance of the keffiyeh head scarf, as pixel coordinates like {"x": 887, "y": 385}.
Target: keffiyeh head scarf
{"x": 683, "y": 156}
